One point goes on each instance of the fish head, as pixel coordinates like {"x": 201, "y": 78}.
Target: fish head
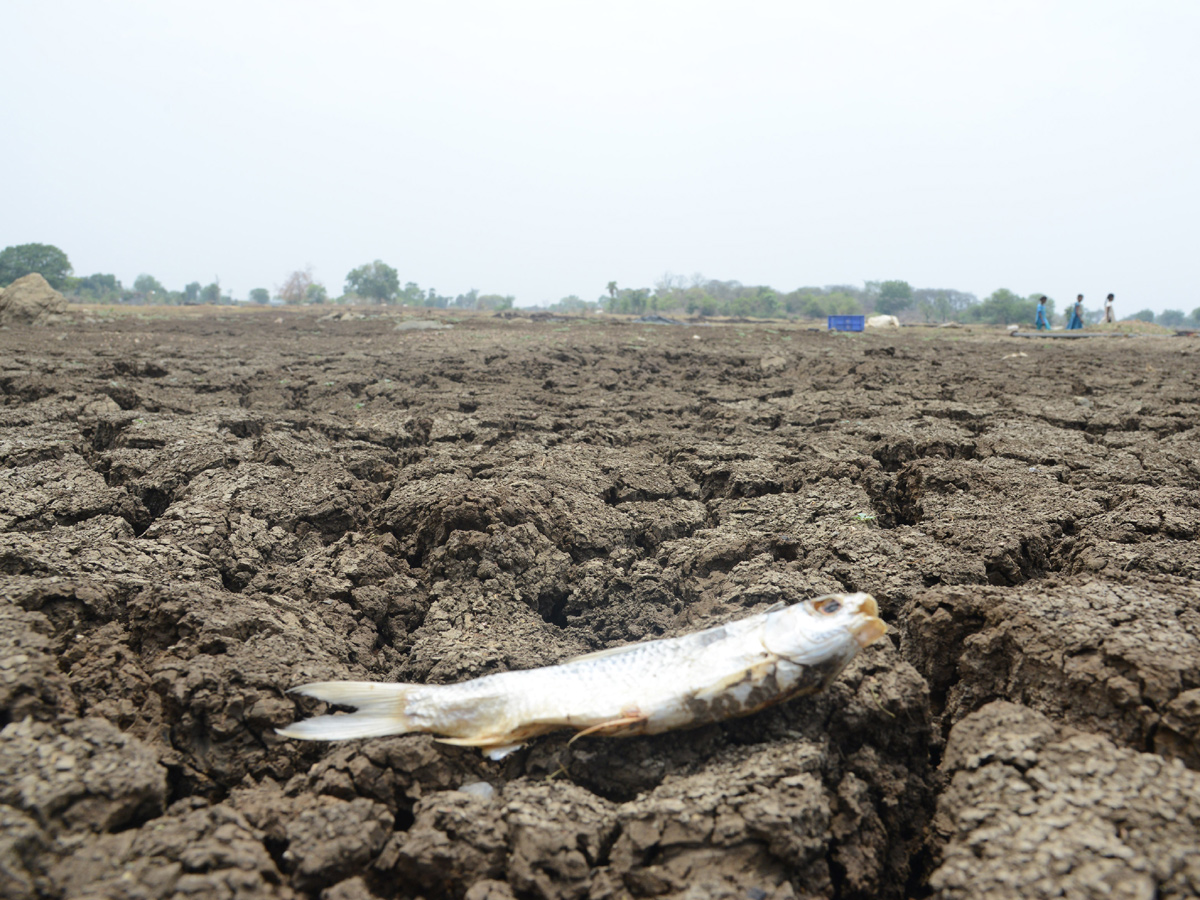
{"x": 828, "y": 630}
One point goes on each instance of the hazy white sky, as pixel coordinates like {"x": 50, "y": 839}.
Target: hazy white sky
{"x": 544, "y": 149}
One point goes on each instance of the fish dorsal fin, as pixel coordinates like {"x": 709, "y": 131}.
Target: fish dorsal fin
{"x": 776, "y": 607}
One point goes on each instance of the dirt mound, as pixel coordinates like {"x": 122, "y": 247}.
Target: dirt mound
{"x": 1037, "y": 810}
{"x": 30, "y": 301}
{"x": 200, "y": 509}
{"x": 1119, "y": 659}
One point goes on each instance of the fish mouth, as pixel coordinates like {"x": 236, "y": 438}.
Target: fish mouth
{"x": 869, "y": 631}
{"x": 868, "y": 627}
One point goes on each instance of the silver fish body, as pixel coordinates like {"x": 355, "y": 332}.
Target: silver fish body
{"x": 646, "y": 688}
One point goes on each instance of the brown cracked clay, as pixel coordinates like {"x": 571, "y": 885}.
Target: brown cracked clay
{"x": 200, "y": 508}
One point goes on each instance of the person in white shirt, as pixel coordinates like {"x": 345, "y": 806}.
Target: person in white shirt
{"x": 1108, "y": 309}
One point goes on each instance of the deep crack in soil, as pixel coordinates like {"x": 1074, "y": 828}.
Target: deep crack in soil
{"x": 202, "y": 508}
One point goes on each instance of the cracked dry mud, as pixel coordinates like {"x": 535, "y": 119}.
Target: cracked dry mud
{"x": 202, "y": 508}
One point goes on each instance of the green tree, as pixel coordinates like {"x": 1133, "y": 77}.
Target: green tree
{"x": 376, "y": 281}
{"x": 612, "y": 289}
{"x": 413, "y": 295}
{"x": 211, "y": 293}
{"x": 463, "y": 301}
{"x": 24, "y": 259}
{"x": 634, "y": 302}
{"x": 260, "y": 296}
{"x": 933, "y": 305}
{"x": 894, "y": 297}
{"x": 1172, "y": 318}
{"x": 764, "y": 303}
{"x": 148, "y": 285}
{"x": 191, "y": 292}
{"x": 99, "y": 283}
{"x": 1145, "y": 315}
{"x": 316, "y": 293}
{"x": 99, "y": 287}
{"x": 817, "y": 302}
{"x": 1003, "y": 307}
{"x": 436, "y": 300}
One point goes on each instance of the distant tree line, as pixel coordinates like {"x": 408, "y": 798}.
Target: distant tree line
{"x": 53, "y": 264}
{"x": 673, "y": 295}
{"x": 377, "y": 282}
{"x": 374, "y": 282}
{"x": 709, "y": 297}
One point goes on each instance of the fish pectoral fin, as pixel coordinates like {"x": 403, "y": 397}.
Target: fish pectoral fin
{"x": 618, "y": 723}
{"x": 465, "y": 742}
{"x": 754, "y": 673}
{"x": 719, "y": 687}
{"x": 491, "y": 747}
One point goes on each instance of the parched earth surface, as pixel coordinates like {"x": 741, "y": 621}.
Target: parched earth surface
{"x": 202, "y": 509}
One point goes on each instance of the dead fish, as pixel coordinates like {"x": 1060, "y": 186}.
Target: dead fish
{"x": 647, "y": 688}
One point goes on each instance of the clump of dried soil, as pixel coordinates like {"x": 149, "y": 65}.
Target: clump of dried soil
{"x": 201, "y": 509}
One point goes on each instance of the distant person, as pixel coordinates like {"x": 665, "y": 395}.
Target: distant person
{"x": 1043, "y": 324}
{"x": 1108, "y": 309}
{"x": 1076, "y": 314}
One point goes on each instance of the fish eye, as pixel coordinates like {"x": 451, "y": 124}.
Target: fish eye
{"x": 830, "y": 606}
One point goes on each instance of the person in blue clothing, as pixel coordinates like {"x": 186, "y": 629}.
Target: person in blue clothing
{"x": 1043, "y": 324}
{"x": 1076, "y": 314}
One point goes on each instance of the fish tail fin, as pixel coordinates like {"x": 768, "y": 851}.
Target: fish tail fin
{"x": 380, "y": 710}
